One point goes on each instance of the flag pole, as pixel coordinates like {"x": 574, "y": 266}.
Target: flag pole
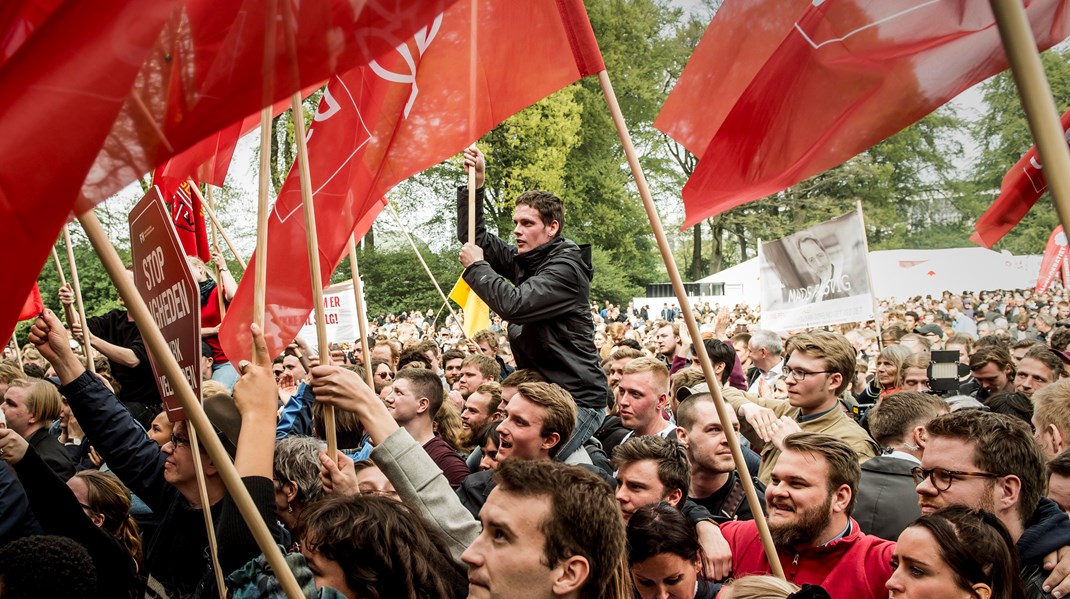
{"x": 215, "y": 248}
{"x": 412, "y": 244}
{"x": 1035, "y": 94}
{"x": 167, "y": 363}
{"x": 869, "y": 273}
{"x": 689, "y": 319}
{"x": 87, "y": 337}
{"x": 18, "y": 350}
{"x": 215, "y": 221}
{"x": 314, "y": 261}
{"x": 262, "y": 214}
{"x": 206, "y": 510}
{"x": 68, "y": 311}
{"x": 362, "y": 321}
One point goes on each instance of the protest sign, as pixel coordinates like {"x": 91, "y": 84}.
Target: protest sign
{"x": 340, "y": 313}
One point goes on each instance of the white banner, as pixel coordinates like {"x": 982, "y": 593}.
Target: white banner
{"x": 340, "y": 314}
{"x": 816, "y": 277}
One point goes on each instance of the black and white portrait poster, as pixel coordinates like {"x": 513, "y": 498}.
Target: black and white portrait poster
{"x": 816, "y": 277}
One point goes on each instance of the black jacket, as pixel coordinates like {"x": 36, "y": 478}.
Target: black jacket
{"x": 1047, "y": 530}
{"x": 52, "y": 453}
{"x": 544, "y": 294}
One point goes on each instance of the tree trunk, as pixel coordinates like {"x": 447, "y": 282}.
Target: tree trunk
{"x": 696, "y": 253}
{"x": 741, "y": 238}
{"x": 274, "y": 162}
{"x": 716, "y": 244}
{"x": 369, "y": 239}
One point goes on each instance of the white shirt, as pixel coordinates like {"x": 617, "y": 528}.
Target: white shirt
{"x": 770, "y": 377}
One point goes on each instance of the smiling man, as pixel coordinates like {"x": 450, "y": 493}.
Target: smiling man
{"x": 542, "y": 287}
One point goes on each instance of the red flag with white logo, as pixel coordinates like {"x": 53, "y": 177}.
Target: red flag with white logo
{"x": 1054, "y": 262}
{"x": 405, "y": 112}
{"x": 187, "y": 213}
{"x": 821, "y": 81}
{"x": 87, "y": 91}
{"x": 1022, "y": 186}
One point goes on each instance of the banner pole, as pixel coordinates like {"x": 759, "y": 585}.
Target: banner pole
{"x": 156, "y": 344}
{"x": 869, "y": 274}
{"x": 262, "y": 214}
{"x": 215, "y": 222}
{"x": 689, "y": 319}
{"x": 362, "y": 321}
{"x": 1035, "y": 94}
{"x": 68, "y": 311}
{"x": 87, "y": 337}
{"x": 209, "y": 525}
{"x": 215, "y": 248}
{"x": 314, "y": 261}
{"x": 427, "y": 269}
{"x": 18, "y": 350}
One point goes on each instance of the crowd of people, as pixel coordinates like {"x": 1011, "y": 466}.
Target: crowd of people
{"x": 570, "y": 450}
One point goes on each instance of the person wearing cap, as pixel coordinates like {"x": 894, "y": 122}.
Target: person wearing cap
{"x": 933, "y": 333}
{"x": 163, "y": 477}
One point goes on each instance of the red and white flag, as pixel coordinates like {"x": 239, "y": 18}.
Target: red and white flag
{"x": 1056, "y": 262}
{"x": 88, "y": 92}
{"x": 1022, "y": 186}
{"x": 405, "y": 112}
{"x": 781, "y": 90}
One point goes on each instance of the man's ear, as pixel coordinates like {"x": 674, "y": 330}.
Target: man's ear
{"x": 553, "y": 227}
{"x": 549, "y": 441}
{"x": 841, "y": 498}
{"x": 675, "y": 497}
{"x": 424, "y": 406}
{"x": 681, "y": 436}
{"x": 570, "y": 575}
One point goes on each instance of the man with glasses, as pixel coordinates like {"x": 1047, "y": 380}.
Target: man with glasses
{"x": 990, "y": 461}
{"x": 818, "y": 367}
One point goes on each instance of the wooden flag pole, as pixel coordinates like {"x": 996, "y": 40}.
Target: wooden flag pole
{"x": 1035, "y": 93}
{"x": 869, "y": 274}
{"x": 218, "y": 272}
{"x": 87, "y": 345}
{"x": 18, "y": 350}
{"x": 314, "y": 261}
{"x": 68, "y": 311}
{"x": 362, "y": 320}
{"x": 427, "y": 269}
{"x": 206, "y": 509}
{"x": 262, "y": 214}
{"x": 689, "y": 318}
{"x": 156, "y": 344}
{"x": 215, "y": 222}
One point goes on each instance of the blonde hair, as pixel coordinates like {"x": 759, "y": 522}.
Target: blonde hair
{"x": 1051, "y": 405}
{"x": 212, "y": 387}
{"x": 43, "y": 400}
{"x": 762, "y": 587}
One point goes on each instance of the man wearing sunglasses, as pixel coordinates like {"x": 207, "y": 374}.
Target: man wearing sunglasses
{"x": 990, "y": 461}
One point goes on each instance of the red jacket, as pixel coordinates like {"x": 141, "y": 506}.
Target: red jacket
{"x": 854, "y": 567}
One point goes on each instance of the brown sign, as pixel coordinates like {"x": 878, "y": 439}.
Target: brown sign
{"x": 163, "y": 278}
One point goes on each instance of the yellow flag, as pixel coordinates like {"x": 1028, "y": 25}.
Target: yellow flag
{"x": 476, "y": 313}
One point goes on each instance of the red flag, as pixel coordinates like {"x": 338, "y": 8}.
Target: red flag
{"x": 1022, "y": 186}
{"x": 840, "y": 77}
{"x": 405, "y": 112}
{"x": 83, "y": 103}
{"x": 33, "y": 304}
{"x": 1054, "y": 262}
{"x": 187, "y": 214}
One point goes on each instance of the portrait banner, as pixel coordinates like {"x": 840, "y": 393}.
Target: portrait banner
{"x": 816, "y": 277}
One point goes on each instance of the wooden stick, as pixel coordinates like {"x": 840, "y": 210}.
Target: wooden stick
{"x": 262, "y": 214}
{"x": 18, "y": 350}
{"x": 156, "y": 344}
{"x": 314, "y": 261}
{"x": 68, "y": 310}
{"x": 427, "y": 269}
{"x": 215, "y": 221}
{"x": 87, "y": 346}
{"x": 869, "y": 273}
{"x": 1035, "y": 93}
{"x": 362, "y": 321}
{"x": 472, "y": 206}
{"x": 218, "y": 271}
{"x": 206, "y": 509}
{"x": 692, "y": 325}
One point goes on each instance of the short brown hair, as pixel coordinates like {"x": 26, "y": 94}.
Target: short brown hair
{"x": 494, "y": 392}
{"x": 674, "y": 471}
{"x": 991, "y": 353}
{"x": 833, "y": 348}
{"x": 1060, "y": 464}
{"x": 486, "y": 365}
{"x": 655, "y": 367}
{"x": 43, "y": 400}
{"x": 1051, "y": 405}
{"x": 584, "y": 521}
{"x": 489, "y": 336}
{"x": 625, "y": 353}
{"x": 1004, "y": 447}
{"x": 842, "y": 461}
{"x": 520, "y": 376}
{"x": 560, "y": 409}
{"x": 895, "y": 415}
{"x": 424, "y": 384}
{"x": 1048, "y": 358}
{"x": 549, "y": 207}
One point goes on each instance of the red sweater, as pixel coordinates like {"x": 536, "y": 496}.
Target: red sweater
{"x": 854, "y": 567}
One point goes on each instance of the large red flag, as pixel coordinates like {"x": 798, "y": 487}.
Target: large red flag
{"x": 840, "y": 76}
{"x": 1022, "y": 186}
{"x": 82, "y": 103}
{"x": 403, "y": 113}
{"x": 1054, "y": 264}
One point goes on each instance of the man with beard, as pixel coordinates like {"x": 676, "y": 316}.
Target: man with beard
{"x": 480, "y": 409}
{"x": 809, "y": 501}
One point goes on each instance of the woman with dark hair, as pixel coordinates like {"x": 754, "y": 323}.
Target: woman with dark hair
{"x": 664, "y": 555}
{"x": 956, "y": 552}
{"x": 106, "y": 500}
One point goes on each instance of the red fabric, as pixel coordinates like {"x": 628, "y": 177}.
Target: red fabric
{"x": 826, "y": 81}
{"x": 1022, "y": 186}
{"x": 408, "y": 111}
{"x": 186, "y": 213}
{"x": 88, "y": 91}
{"x": 33, "y": 305}
{"x": 1054, "y": 263}
{"x": 854, "y": 567}
{"x": 210, "y": 318}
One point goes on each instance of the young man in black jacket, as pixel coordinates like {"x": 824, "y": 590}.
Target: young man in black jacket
{"x": 541, "y": 287}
